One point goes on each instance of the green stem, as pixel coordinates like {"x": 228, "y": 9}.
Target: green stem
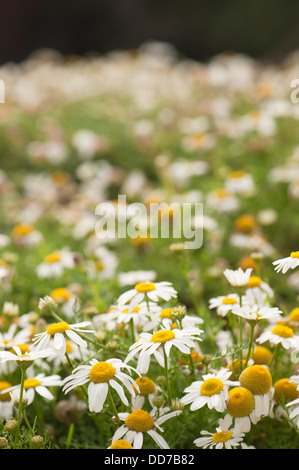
{"x": 112, "y": 404}
{"x": 167, "y": 375}
{"x": 23, "y": 373}
{"x": 252, "y": 325}
{"x": 70, "y": 435}
{"x": 27, "y": 422}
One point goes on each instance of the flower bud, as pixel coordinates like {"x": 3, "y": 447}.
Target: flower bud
{"x": 3, "y": 442}
{"x": 37, "y": 441}
{"x": 11, "y": 426}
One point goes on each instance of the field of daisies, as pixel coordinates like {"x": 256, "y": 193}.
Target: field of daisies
{"x": 140, "y": 342}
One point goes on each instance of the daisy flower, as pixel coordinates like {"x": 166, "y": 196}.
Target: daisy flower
{"x": 240, "y": 182}
{"x": 140, "y": 315}
{"x": 58, "y": 332}
{"x": 148, "y": 291}
{"x": 25, "y": 235}
{"x": 240, "y": 408}
{"x": 224, "y": 437}
{"x": 280, "y": 334}
{"x": 224, "y": 304}
{"x": 286, "y": 389}
{"x": 238, "y": 277}
{"x": 6, "y": 405}
{"x": 100, "y": 376}
{"x": 134, "y": 277}
{"x": 13, "y": 337}
{"x": 151, "y": 344}
{"x": 258, "y": 291}
{"x": 211, "y": 391}
{"x": 258, "y": 380}
{"x": 104, "y": 265}
{"x": 257, "y": 313}
{"x": 23, "y": 359}
{"x": 138, "y": 423}
{"x": 222, "y": 201}
{"x": 284, "y": 264}
{"x": 39, "y": 384}
{"x": 66, "y": 299}
{"x": 167, "y": 316}
{"x": 146, "y": 389}
{"x": 55, "y": 263}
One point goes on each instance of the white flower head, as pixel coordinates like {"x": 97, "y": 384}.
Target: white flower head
{"x": 153, "y": 291}
{"x": 101, "y": 375}
{"x": 140, "y": 315}
{"x": 238, "y": 277}
{"x": 224, "y": 304}
{"x": 38, "y": 384}
{"x": 240, "y": 408}
{"x": 257, "y": 313}
{"x": 55, "y": 263}
{"x": 140, "y": 422}
{"x": 258, "y": 380}
{"x": 211, "y": 391}
{"x": 280, "y": 334}
{"x": 284, "y": 264}
{"x": 23, "y": 359}
{"x": 58, "y": 332}
{"x": 161, "y": 342}
{"x": 224, "y": 437}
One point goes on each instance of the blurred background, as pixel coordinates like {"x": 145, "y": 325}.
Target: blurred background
{"x": 198, "y": 29}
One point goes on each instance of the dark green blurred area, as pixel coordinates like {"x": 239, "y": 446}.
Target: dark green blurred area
{"x": 198, "y": 29}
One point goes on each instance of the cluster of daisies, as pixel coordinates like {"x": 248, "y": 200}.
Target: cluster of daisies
{"x": 238, "y": 384}
{"x": 85, "y": 325}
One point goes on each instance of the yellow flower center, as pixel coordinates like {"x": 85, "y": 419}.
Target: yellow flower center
{"x": 101, "y": 372}
{"x": 135, "y": 310}
{"x": 23, "y": 347}
{"x": 255, "y": 114}
{"x": 254, "y": 281}
{"x": 221, "y": 436}
{"x": 240, "y": 403}
{"x": 163, "y": 336}
{"x": 68, "y": 347}
{"x": 229, "y": 301}
{"x": 283, "y": 331}
{"x": 261, "y": 355}
{"x": 146, "y": 386}
{"x": 60, "y": 294}
{"x": 237, "y": 174}
{"x": 257, "y": 379}
{"x": 211, "y": 387}
{"x": 139, "y": 421}
{"x": 294, "y": 254}
{"x": 99, "y": 266}
{"x": 121, "y": 444}
{"x": 286, "y": 389}
{"x": 53, "y": 257}
{"x": 221, "y": 193}
{"x": 245, "y": 223}
{"x": 3, "y": 386}
{"x": 59, "y": 327}
{"x": 145, "y": 287}
{"x": 31, "y": 383}
{"x": 166, "y": 313}
{"x": 294, "y": 315}
{"x": 22, "y": 229}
